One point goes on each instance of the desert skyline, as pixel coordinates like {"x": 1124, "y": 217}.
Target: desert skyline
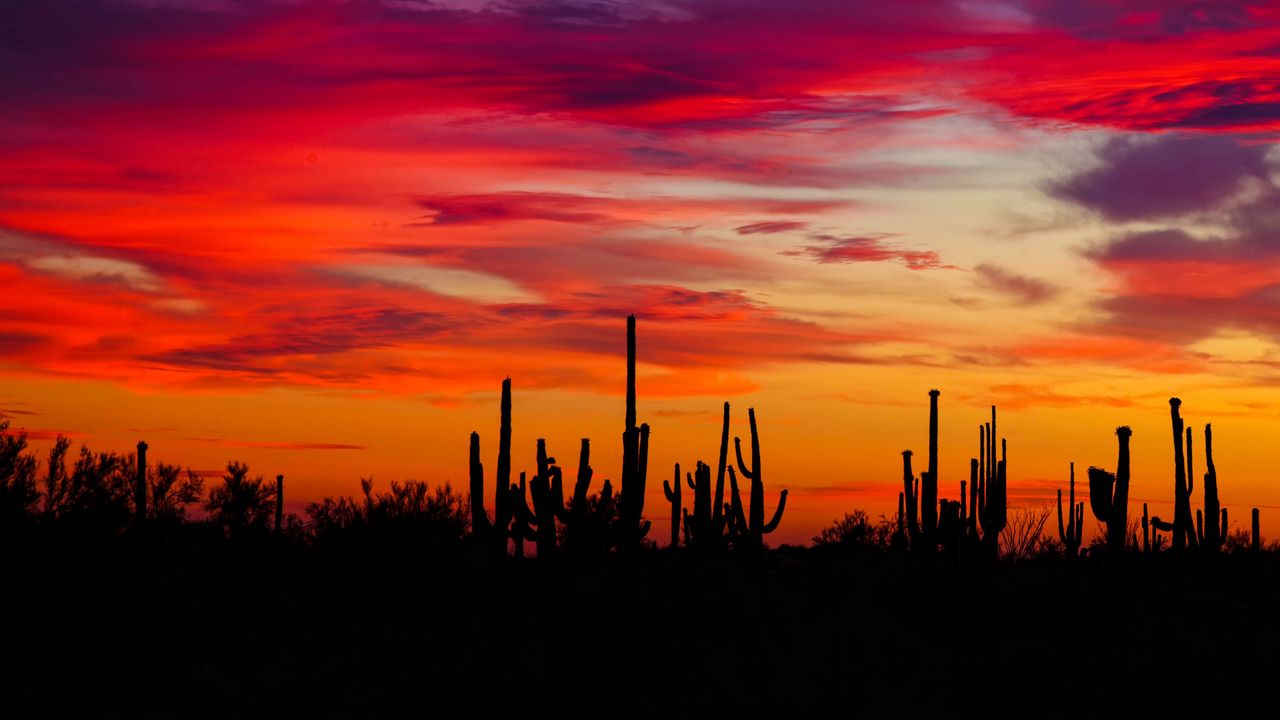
{"x": 316, "y": 236}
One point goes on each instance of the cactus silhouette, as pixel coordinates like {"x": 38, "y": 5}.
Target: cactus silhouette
{"x": 547, "y": 489}
{"x": 706, "y": 525}
{"x": 1109, "y": 494}
{"x": 993, "y": 503}
{"x": 1146, "y": 530}
{"x": 493, "y": 534}
{"x": 635, "y": 458}
{"x": 991, "y": 507}
{"x": 140, "y": 486}
{"x": 749, "y": 529}
{"x": 1183, "y": 533}
{"x": 279, "y": 525}
{"x": 521, "y": 516}
{"x": 1070, "y": 533}
{"x": 911, "y": 494}
{"x": 1211, "y": 534}
{"x": 581, "y": 531}
{"x": 1255, "y": 537}
{"x": 672, "y": 492}
{"x": 929, "y": 478}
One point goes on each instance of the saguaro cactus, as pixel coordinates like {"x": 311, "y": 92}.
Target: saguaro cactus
{"x": 578, "y": 533}
{"x": 911, "y": 495}
{"x": 522, "y": 516}
{"x": 279, "y": 503}
{"x": 1255, "y": 537}
{"x": 749, "y": 530}
{"x": 140, "y": 485}
{"x": 929, "y": 479}
{"x": 672, "y": 492}
{"x": 635, "y": 456}
{"x": 1183, "y": 533}
{"x": 495, "y": 533}
{"x": 1212, "y": 534}
{"x": 1109, "y": 494}
{"x": 1070, "y": 534}
{"x": 993, "y": 501}
{"x": 548, "y": 501}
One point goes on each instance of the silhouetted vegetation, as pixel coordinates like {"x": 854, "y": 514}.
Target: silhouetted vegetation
{"x": 420, "y": 584}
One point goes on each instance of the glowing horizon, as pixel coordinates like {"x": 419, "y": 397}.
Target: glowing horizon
{"x": 315, "y": 236}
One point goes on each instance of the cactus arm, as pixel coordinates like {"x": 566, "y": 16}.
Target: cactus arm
{"x": 1062, "y": 533}
{"x": 738, "y": 520}
{"x": 777, "y": 514}
{"x": 717, "y": 516}
{"x": 479, "y": 519}
{"x": 1100, "y": 484}
{"x": 742, "y": 465}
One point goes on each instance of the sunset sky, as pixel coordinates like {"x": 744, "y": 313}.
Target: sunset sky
{"x": 316, "y": 236}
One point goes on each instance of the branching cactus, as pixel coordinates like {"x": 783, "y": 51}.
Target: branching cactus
{"x": 548, "y": 501}
{"x": 635, "y": 457}
{"x": 522, "y": 516}
{"x": 578, "y": 523}
{"x": 493, "y": 534}
{"x": 993, "y": 501}
{"x": 1183, "y": 532}
{"x": 1070, "y": 533}
{"x": 1109, "y": 495}
{"x": 911, "y": 495}
{"x": 1212, "y": 534}
{"x": 750, "y": 528}
{"x": 672, "y": 492}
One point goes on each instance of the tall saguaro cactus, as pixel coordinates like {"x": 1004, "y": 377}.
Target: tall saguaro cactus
{"x": 1183, "y": 532}
{"x": 140, "y": 485}
{"x": 547, "y": 489}
{"x": 579, "y": 532}
{"x": 493, "y": 533}
{"x": 279, "y": 503}
{"x": 929, "y": 480}
{"x": 750, "y": 529}
{"x": 993, "y": 506}
{"x": 1213, "y": 534}
{"x": 635, "y": 457}
{"x": 1070, "y": 534}
{"x": 910, "y": 493}
{"x": 1109, "y": 494}
{"x": 672, "y": 492}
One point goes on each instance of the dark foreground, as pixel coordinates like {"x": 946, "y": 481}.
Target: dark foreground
{"x": 295, "y": 632}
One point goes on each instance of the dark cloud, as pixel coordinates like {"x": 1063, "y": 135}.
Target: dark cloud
{"x": 770, "y": 227}
{"x": 511, "y": 206}
{"x": 1027, "y": 290}
{"x": 866, "y": 248}
{"x": 1164, "y": 177}
{"x": 297, "y": 337}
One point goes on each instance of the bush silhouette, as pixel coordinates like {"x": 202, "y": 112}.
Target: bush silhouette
{"x": 241, "y": 506}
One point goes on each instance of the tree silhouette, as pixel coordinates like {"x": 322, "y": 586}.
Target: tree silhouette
{"x": 241, "y": 506}
{"x": 18, "y": 492}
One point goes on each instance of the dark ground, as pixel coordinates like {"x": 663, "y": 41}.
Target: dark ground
{"x": 119, "y": 631}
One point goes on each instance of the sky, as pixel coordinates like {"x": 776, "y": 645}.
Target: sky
{"x": 316, "y": 236}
